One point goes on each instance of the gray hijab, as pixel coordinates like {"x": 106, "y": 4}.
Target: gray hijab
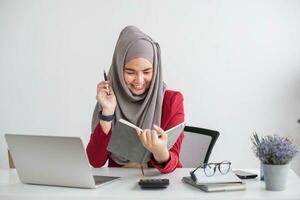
{"x": 142, "y": 110}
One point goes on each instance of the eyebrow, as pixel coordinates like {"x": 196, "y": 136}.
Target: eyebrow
{"x": 147, "y": 69}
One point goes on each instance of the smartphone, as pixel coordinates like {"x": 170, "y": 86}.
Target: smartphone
{"x": 244, "y": 175}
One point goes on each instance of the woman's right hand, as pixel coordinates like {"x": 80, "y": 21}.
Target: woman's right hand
{"x": 106, "y": 97}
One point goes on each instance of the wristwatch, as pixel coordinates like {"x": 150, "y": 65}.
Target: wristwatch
{"x": 106, "y": 118}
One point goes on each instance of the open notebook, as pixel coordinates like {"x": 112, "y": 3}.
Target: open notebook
{"x": 125, "y": 142}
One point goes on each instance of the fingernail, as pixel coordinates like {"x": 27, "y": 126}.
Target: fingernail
{"x": 155, "y": 126}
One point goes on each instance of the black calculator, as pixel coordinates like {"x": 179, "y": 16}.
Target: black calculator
{"x": 154, "y": 183}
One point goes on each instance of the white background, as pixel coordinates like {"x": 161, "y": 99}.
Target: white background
{"x": 237, "y": 64}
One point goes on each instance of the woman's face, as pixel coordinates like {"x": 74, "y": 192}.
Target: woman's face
{"x": 138, "y": 74}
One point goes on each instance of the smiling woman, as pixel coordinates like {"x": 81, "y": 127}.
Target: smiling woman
{"x": 136, "y": 92}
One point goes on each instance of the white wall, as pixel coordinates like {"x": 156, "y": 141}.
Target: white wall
{"x": 236, "y": 62}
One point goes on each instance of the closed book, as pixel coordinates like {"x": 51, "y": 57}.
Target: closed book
{"x": 215, "y": 187}
{"x": 217, "y": 178}
{"x": 125, "y": 142}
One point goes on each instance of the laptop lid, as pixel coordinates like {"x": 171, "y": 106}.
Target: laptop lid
{"x": 52, "y": 160}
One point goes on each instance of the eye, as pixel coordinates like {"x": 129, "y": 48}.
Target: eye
{"x": 129, "y": 72}
{"x": 148, "y": 72}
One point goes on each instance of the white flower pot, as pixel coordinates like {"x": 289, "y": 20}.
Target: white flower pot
{"x": 275, "y": 176}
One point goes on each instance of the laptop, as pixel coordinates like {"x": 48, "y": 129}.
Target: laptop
{"x": 53, "y": 160}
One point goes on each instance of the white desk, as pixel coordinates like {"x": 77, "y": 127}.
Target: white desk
{"x": 127, "y": 188}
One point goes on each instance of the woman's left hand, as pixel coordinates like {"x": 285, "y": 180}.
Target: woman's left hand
{"x": 155, "y": 140}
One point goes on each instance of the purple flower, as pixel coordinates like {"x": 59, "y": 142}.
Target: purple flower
{"x": 274, "y": 149}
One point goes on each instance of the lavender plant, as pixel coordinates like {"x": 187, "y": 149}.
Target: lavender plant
{"x": 274, "y": 150}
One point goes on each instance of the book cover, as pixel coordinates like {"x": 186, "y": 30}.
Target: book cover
{"x": 215, "y": 187}
{"x": 217, "y": 178}
{"x": 125, "y": 142}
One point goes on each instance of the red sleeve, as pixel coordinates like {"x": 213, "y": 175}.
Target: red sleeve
{"x": 97, "y": 148}
{"x": 175, "y": 117}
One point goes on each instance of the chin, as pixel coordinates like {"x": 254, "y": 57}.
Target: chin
{"x": 138, "y": 93}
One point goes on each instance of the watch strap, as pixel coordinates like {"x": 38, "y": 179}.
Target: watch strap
{"x": 106, "y": 118}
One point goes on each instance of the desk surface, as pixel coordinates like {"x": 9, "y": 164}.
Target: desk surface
{"x": 127, "y": 188}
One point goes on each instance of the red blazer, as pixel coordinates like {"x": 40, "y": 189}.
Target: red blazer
{"x": 172, "y": 114}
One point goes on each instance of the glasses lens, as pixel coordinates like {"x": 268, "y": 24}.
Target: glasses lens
{"x": 224, "y": 167}
{"x": 209, "y": 169}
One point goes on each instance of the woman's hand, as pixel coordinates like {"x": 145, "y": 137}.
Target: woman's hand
{"x": 106, "y": 97}
{"x": 155, "y": 141}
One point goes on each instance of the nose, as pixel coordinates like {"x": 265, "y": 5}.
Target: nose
{"x": 139, "y": 78}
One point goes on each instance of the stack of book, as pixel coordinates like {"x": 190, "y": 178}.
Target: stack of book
{"x": 217, "y": 182}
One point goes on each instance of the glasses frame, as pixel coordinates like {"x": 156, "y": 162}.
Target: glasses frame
{"x": 215, "y": 165}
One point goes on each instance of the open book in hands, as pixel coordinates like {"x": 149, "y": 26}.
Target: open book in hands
{"x": 125, "y": 142}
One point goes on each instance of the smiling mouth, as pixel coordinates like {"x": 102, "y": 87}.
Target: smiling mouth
{"x": 138, "y": 87}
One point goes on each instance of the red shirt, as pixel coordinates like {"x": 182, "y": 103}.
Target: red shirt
{"x": 172, "y": 114}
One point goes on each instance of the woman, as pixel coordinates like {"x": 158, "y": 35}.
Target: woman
{"x": 135, "y": 92}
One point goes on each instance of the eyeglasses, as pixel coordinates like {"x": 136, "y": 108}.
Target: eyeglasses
{"x": 211, "y": 168}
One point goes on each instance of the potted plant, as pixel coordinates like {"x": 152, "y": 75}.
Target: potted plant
{"x": 275, "y": 154}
